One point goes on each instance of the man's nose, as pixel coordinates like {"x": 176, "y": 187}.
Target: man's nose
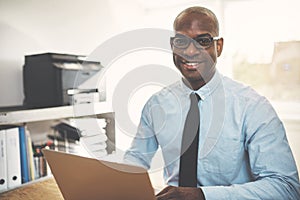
{"x": 191, "y": 50}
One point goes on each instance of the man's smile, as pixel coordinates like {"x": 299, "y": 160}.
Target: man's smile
{"x": 191, "y": 65}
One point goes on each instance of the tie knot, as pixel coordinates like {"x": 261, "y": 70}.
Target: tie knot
{"x": 194, "y": 97}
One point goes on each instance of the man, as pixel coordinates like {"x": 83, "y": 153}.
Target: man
{"x": 242, "y": 149}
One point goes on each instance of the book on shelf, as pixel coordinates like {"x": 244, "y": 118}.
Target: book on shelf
{"x": 13, "y": 157}
{"x": 3, "y": 167}
{"x": 22, "y": 160}
{"x": 30, "y": 156}
{"x": 17, "y": 158}
{"x": 25, "y": 167}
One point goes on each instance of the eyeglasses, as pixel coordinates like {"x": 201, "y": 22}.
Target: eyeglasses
{"x": 200, "y": 42}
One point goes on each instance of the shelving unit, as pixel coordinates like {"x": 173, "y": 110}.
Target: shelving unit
{"x": 42, "y": 114}
{"x": 47, "y": 115}
{"x": 40, "y": 121}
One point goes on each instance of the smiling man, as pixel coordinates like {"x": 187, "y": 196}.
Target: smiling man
{"x": 198, "y": 67}
{"x": 219, "y": 139}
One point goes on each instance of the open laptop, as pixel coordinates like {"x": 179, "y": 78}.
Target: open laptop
{"x": 81, "y": 178}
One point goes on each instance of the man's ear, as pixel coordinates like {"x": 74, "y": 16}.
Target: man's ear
{"x": 171, "y": 44}
{"x": 220, "y": 46}
{"x": 174, "y": 61}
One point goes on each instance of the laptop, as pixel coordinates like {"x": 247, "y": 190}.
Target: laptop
{"x": 81, "y": 178}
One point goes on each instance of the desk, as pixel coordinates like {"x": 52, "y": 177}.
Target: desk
{"x": 44, "y": 189}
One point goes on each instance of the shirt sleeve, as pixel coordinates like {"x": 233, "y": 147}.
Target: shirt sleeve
{"x": 271, "y": 161}
{"x": 144, "y": 144}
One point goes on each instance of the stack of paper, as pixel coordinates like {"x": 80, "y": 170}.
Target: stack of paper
{"x": 93, "y": 136}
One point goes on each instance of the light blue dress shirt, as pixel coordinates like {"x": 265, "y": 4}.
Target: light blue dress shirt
{"x": 243, "y": 149}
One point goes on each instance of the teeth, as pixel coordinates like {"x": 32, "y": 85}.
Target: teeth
{"x": 192, "y": 64}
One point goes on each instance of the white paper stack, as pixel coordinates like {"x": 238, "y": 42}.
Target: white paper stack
{"x": 93, "y": 136}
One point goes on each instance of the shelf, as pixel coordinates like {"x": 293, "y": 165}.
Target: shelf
{"x": 42, "y": 114}
{"x": 39, "y": 123}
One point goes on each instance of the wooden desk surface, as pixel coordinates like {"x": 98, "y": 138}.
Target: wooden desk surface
{"x": 45, "y": 189}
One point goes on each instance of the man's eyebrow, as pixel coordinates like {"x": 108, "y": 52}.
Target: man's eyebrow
{"x": 180, "y": 35}
{"x": 201, "y": 35}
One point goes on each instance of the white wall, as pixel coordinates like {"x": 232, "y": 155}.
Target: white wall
{"x": 34, "y": 26}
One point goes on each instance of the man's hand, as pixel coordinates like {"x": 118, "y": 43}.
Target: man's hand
{"x": 180, "y": 193}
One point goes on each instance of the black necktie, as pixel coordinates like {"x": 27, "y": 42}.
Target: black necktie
{"x": 189, "y": 146}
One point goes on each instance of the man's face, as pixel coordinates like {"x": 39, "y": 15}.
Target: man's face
{"x": 196, "y": 64}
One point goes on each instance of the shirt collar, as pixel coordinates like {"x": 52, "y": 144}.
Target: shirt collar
{"x": 207, "y": 89}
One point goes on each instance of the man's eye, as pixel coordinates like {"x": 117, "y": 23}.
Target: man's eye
{"x": 181, "y": 41}
{"x": 204, "y": 41}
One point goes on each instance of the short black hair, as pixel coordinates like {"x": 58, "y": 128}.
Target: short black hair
{"x": 198, "y": 10}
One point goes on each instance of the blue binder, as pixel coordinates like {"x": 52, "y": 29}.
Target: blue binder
{"x": 23, "y": 154}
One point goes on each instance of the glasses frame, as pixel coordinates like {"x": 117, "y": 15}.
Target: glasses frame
{"x": 194, "y": 41}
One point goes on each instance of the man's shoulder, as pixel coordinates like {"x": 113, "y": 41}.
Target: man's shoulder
{"x": 246, "y": 98}
{"x": 240, "y": 90}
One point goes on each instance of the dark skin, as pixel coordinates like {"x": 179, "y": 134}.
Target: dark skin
{"x": 193, "y": 25}
{"x": 180, "y": 193}
{"x": 197, "y": 67}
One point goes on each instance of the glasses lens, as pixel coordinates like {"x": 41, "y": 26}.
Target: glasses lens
{"x": 181, "y": 42}
{"x": 200, "y": 42}
{"x": 203, "y": 42}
